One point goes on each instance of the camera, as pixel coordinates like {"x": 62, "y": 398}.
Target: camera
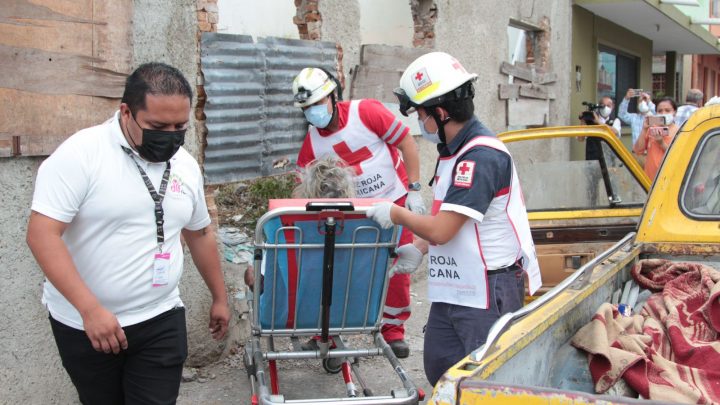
{"x": 634, "y": 100}
{"x": 587, "y": 116}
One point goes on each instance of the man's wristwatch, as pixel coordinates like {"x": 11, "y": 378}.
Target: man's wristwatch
{"x": 415, "y": 186}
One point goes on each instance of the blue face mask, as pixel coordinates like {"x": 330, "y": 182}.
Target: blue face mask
{"x": 430, "y": 137}
{"x": 318, "y": 116}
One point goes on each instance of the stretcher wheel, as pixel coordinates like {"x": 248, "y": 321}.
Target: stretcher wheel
{"x": 333, "y": 365}
{"x": 249, "y": 366}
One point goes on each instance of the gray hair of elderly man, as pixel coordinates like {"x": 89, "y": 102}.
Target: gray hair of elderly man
{"x": 694, "y": 96}
{"x": 326, "y": 177}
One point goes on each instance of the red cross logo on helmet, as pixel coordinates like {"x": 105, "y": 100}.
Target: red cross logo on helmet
{"x": 421, "y": 80}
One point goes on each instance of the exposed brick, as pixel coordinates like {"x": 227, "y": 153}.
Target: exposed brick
{"x": 202, "y": 16}
{"x": 308, "y": 19}
{"x": 212, "y": 18}
{"x": 424, "y": 13}
{"x": 204, "y": 26}
{"x": 212, "y": 8}
{"x": 211, "y": 205}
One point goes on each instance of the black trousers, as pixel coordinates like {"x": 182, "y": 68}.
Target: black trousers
{"x": 148, "y": 372}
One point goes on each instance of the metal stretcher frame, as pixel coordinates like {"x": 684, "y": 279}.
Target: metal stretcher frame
{"x": 304, "y": 220}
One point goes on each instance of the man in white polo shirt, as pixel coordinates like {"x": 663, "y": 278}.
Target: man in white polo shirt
{"x": 109, "y": 208}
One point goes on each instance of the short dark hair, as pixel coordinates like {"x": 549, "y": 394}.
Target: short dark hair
{"x": 458, "y": 103}
{"x": 154, "y": 78}
{"x": 459, "y": 110}
{"x": 669, "y": 100}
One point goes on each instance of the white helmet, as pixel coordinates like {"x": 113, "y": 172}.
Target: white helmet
{"x": 311, "y": 85}
{"x": 429, "y": 78}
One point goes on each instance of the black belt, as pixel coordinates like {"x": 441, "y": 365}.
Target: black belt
{"x": 514, "y": 266}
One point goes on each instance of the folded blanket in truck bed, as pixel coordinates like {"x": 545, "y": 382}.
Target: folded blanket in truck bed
{"x": 669, "y": 351}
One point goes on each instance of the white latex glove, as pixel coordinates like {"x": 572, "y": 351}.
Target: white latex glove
{"x": 380, "y": 213}
{"x": 409, "y": 258}
{"x": 414, "y": 202}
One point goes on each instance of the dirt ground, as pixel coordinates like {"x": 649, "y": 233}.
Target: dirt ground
{"x": 226, "y": 381}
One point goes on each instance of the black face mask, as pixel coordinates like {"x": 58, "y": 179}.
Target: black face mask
{"x": 158, "y": 146}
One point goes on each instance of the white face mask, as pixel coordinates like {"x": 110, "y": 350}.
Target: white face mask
{"x": 669, "y": 118}
{"x": 430, "y": 137}
{"x": 643, "y": 107}
{"x": 605, "y": 111}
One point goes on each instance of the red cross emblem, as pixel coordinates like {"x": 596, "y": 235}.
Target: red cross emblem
{"x": 421, "y": 79}
{"x": 464, "y": 174}
{"x": 457, "y": 65}
{"x": 352, "y": 158}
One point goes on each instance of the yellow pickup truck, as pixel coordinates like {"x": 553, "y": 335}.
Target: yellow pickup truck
{"x": 592, "y": 220}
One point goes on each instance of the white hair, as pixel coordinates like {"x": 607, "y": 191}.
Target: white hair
{"x": 326, "y": 177}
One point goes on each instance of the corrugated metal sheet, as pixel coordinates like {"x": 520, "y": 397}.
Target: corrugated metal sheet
{"x": 253, "y": 127}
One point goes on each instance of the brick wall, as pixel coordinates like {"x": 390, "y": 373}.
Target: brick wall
{"x": 207, "y": 14}
{"x": 424, "y": 14}
{"x": 308, "y": 19}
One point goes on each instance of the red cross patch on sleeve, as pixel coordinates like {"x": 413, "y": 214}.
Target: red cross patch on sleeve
{"x": 464, "y": 174}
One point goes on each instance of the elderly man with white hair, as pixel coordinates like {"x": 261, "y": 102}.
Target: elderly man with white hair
{"x": 693, "y": 101}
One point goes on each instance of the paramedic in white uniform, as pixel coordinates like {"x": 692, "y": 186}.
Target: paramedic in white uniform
{"x": 479, "y": 238}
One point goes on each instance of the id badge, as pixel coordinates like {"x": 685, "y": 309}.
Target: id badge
{"x": 161, "y": 269}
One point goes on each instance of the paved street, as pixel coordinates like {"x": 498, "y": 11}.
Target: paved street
{"x": 226, "y": 382}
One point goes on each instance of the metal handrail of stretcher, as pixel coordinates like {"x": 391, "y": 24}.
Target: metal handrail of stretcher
{"x": 579, "y": 276}
{"x": 262, "y": 245}
{"x": 410, "y": 394}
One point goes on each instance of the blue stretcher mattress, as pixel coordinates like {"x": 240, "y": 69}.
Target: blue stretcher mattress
{"x": 305, "y": 269}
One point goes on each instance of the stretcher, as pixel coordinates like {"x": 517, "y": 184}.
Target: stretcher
{"x": 321, "y": 270}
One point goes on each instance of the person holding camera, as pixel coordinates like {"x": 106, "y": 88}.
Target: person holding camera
{"x": 598, "y": 114}
{"x": 603, "y": 115}
{"x": 645, "y": 106}
{"x": 655, "y": 138}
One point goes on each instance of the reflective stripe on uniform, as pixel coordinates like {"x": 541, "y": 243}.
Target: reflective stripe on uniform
{"x": 389, "y": 134}
{"x": 388, "y": 321}
{"x": 395, "y": 311}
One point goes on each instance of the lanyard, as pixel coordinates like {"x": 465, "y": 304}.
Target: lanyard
{"x": 157, "y": 197}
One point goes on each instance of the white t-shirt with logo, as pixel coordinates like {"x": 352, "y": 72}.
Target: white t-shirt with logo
{"x": 91, "y": 184}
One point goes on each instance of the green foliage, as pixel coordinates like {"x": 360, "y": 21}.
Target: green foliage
{"x": 250, "y": 199}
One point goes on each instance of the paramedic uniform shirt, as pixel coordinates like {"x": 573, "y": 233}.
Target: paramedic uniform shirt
{"x": 491, "y": 174}
{"x": 367, "y": 139}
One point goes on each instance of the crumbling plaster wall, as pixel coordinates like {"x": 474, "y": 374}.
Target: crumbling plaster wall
{"x": 476, "y": 34}
{"x": 341, "y": 23}
{"x": 30, "y": 368}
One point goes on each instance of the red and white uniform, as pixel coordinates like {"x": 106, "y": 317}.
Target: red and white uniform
{"x": 367, "y": 140}
{"x": 493, "y": 240}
